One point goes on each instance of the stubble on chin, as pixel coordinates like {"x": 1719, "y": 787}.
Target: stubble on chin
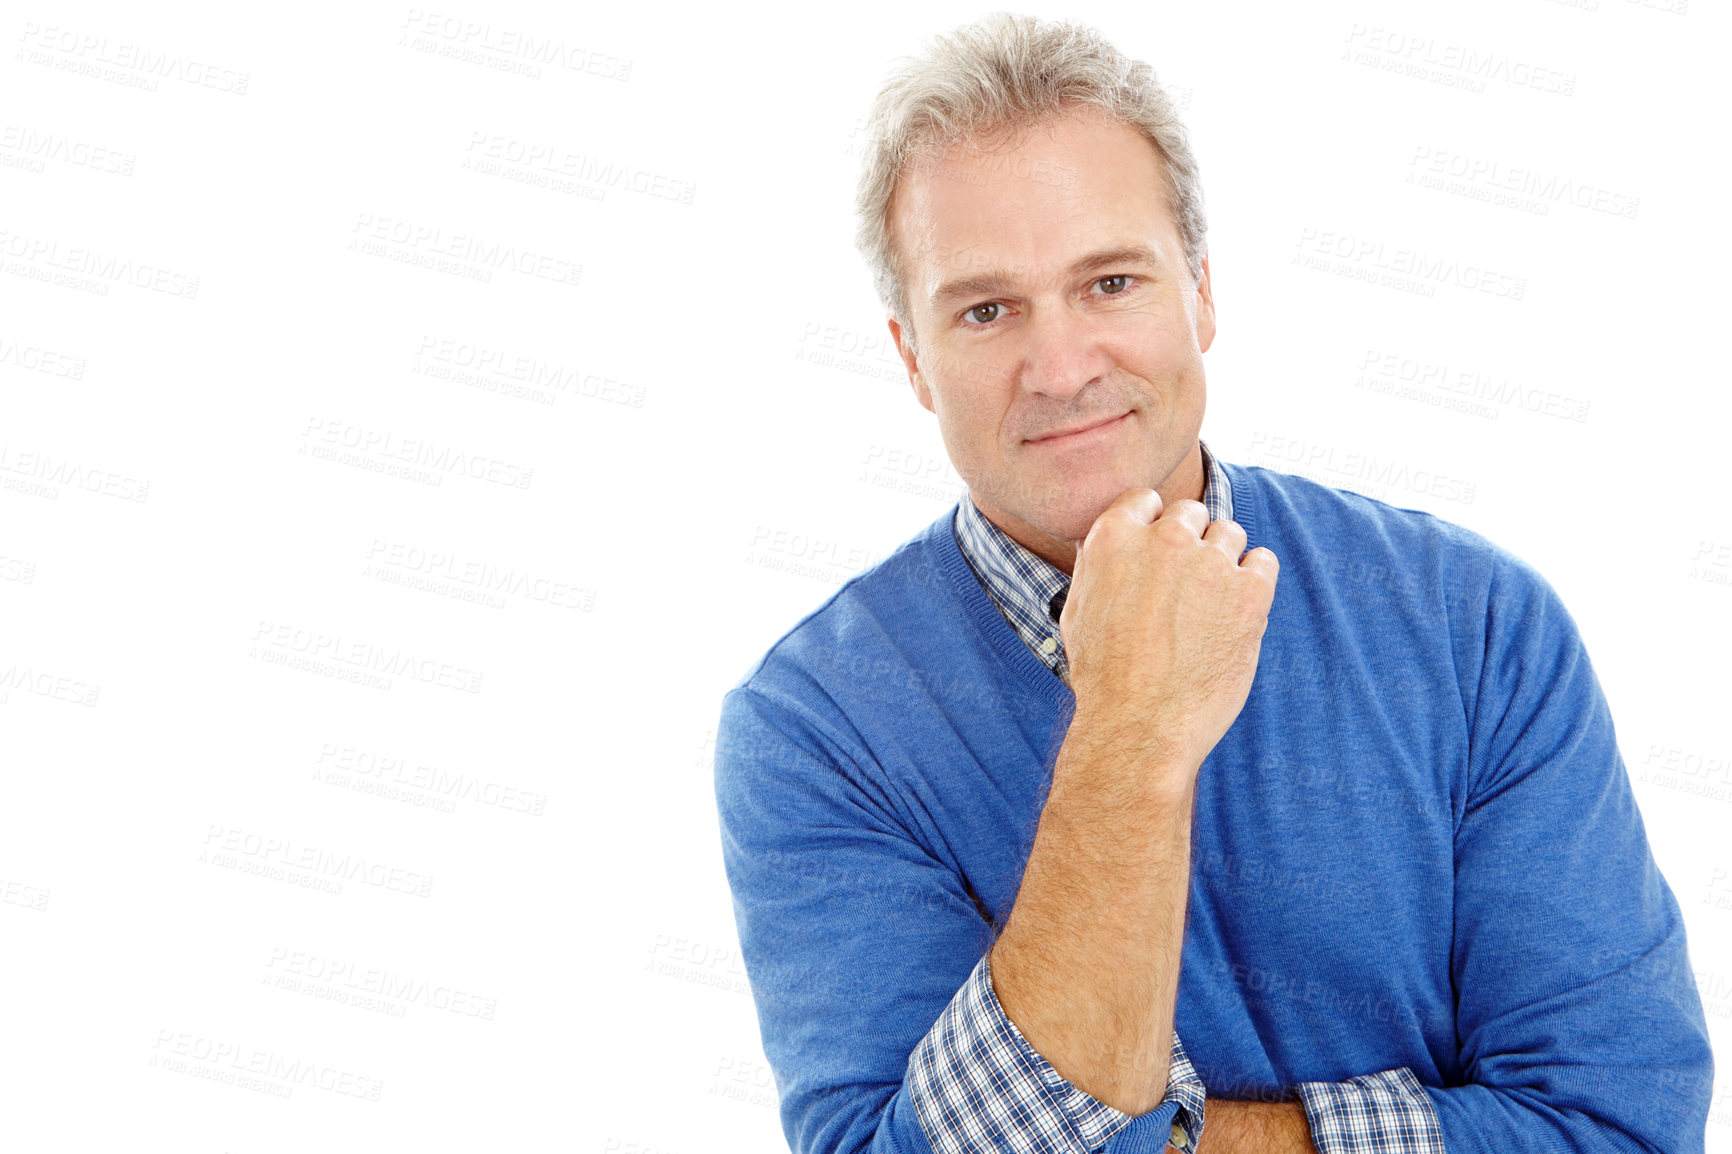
{"x": 1050, "y": 511}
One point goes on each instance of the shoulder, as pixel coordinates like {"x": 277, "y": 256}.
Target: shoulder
{"x": 1406, "y": 580}
{"x": 1289, "y": 500}
{"x": 1368, "y": 542}
{"x": 856, "y": 635}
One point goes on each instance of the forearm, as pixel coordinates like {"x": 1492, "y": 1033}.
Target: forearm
{"x": 1088, "y": 964}
{"x": 1256, "y": 1128}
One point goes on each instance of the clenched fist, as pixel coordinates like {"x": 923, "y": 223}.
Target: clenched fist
{"x": 1162, "y": 627}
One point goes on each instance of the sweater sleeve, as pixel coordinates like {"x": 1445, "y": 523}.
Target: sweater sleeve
{"x": 868, "y": 964}
{"x": 1578, "y": 1018}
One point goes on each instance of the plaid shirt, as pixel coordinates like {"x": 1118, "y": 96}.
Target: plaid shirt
{"x": 978, "y": 1085}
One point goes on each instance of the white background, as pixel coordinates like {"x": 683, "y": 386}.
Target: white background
{"x": 274, "y": 500}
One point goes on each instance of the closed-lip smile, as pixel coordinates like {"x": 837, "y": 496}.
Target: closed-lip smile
{"x": 1077, "y": 429}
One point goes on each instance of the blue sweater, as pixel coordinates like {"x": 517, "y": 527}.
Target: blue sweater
{"x": 1416, "y": 847}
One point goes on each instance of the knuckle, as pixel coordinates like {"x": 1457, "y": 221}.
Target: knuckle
{"x": 1128, "y": 501}
{"x": 1176, "y": 531}
{"x": 1109, "y": 526}
{"x": 1229, "y": 531}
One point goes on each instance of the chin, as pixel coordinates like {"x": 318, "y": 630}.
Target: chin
{"x": 1076, "y": 526}
{"x": 1086, "y": 502}
{"x": 1071, "y": 518}
{"x": 1075, "y": 506}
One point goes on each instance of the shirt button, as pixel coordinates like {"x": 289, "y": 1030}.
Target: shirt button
{"x": 1178, "y": 1139}
{"x": 1047, "y": 646}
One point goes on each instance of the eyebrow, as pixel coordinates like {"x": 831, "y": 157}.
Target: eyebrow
{"x": 996, "y": 282}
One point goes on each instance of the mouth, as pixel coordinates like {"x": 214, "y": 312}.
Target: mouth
{"x": 1082, "y": 434}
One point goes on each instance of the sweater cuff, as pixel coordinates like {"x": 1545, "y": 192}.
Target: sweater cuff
{"x": 978, "y": 1085}
{"x": 1389, "y": 1111}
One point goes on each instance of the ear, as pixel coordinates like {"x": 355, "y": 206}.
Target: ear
{"x": 905, "y": 350}
{"x": 1205, "y": 309}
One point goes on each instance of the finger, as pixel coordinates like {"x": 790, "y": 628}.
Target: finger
{"x": 1261, "y": 560}
{"x": 1075, "y": 572}
{"x": 1131, "y": 509}
{"x": 1227, "y": 535}
{"x": 1141, "y": 506}
{"x": 1194, "y": 515}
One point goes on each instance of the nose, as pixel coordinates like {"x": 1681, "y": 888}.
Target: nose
{"x": 1062, "y": 354}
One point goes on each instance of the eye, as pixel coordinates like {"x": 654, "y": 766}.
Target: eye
{"x": 1120, "y": 280}
{"x": 974, "y": 313}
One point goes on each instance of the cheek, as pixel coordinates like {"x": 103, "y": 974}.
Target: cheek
{"x": 1169, "y": 360}
{"x": 971, "y": 426}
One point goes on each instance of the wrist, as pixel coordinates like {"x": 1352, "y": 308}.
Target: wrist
{"x": 1107, "y": 745}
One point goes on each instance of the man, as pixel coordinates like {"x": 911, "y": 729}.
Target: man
{"x": 1142, "y": 791}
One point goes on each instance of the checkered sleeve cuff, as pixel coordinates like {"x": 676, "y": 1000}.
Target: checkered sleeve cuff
{"x": 1372, "y": 1113}
{"x": 977, "y": 1085}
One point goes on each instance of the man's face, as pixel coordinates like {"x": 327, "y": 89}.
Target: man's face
{"x": 1048, "y": 291}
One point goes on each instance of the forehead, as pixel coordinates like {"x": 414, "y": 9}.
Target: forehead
{"x": 1025, "y": 206}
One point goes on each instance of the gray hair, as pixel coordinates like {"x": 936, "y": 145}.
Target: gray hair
{"x": 995, "y": 76}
